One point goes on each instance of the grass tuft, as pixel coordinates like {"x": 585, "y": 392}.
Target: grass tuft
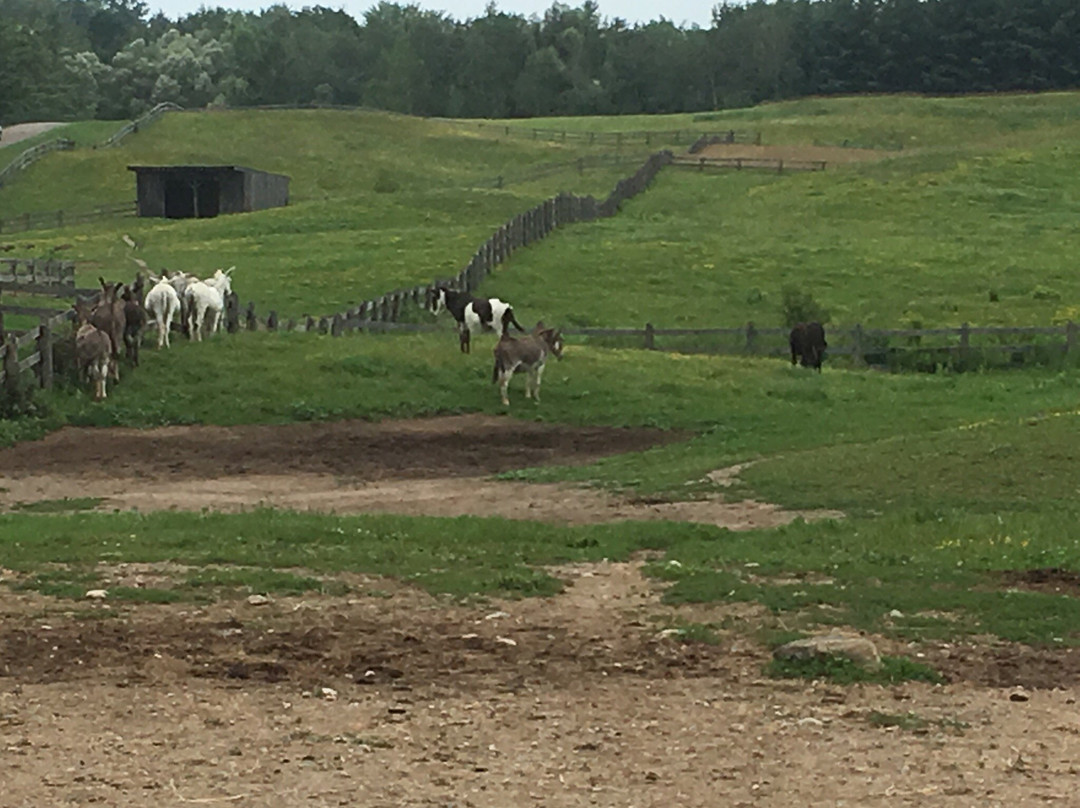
{"x": 844, "y": 671}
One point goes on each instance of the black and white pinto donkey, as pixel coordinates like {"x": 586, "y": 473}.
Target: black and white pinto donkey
{"x": 473, "y": 314}
{"x": 527, "y": 353}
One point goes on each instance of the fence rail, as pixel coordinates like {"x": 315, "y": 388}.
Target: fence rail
{"x": 32, "y": 155}
{"x": 739, "y": 163}
{"x": 147, "y": 117}
{"x": 56, "y": 275}
{"x": 580, "y": 164}
{"x": 40, "y": 360}
{"x": 646, "y": 137}
{"x": 863, "y": 345}
{"x": 62, "y": 218}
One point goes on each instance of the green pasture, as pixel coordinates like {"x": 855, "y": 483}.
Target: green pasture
{"x": 987, "y": 239}
{"x": 884, "y": 122}
{"x": 975, "y": 225}
{"x": 952, "y": 484}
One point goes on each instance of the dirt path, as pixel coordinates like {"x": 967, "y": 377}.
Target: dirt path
{"x": 21, "y": 131}
{"x": 433, "y": 467}
{"x": 400, "y": 699}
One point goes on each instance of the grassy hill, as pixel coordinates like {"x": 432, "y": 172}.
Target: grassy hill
{"x": 378, "y": 201}
{"x": 973, "y": 220}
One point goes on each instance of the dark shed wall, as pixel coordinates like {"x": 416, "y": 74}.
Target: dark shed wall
{"x": 150, "y": 194}
{"x": 266, "y": 190}
{"x": 232, "y": 193}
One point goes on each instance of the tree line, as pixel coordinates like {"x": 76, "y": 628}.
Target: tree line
{"x": 110, "y": 59}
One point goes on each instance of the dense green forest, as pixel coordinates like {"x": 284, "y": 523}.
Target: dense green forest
{"x": 68, "y": 59}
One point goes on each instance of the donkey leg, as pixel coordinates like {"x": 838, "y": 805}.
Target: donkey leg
{"x": 536, "y": 384}
{"x": 504, "y": 381}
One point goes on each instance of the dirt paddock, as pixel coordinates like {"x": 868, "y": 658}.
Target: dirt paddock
{"x": 387, "y": 696}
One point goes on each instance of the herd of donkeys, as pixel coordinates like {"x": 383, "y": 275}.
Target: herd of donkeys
{"x": 117, "y": 318}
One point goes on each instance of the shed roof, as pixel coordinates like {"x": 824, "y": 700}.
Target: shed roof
{"x": 201, "y": 168}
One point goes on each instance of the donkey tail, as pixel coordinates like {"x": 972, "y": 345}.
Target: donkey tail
{"x": 508, "y": 317}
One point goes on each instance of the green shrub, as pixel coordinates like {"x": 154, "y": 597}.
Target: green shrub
{"x": 799, "y": 306}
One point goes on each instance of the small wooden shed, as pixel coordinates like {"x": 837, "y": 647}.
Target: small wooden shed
{"x": 197, "y": 192}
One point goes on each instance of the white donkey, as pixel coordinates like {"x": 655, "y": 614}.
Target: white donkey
{"x": 206, "y": 303}
{"x": 163, "y": 303}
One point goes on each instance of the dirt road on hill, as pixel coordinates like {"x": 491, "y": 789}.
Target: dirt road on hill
{"x": 21, "y": 131}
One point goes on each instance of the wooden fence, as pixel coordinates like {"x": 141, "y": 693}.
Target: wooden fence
{"x": 134, "y": 126}
{"x": 520, "y": 231}
{"x": 62, "y": 218}
{"x": 739, "y": 163}
{"x": 580, "y": 164}
{"x": 730, "y": 136}
{"x": 618, "y": 139}
{"x": 39, "y": 361}
{"x": 863, "y": 345}
{"x": 45, "y": 276}
{"x": 32, "y": 155}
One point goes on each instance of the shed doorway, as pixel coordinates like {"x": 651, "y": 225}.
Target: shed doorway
{"x": 192, "y": 199}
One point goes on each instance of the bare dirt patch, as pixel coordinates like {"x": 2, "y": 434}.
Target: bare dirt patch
{"x": 391, "y": 697}
{"x": 1044, "y": 579}
{"x": 432, "y": 467}
{"x": 403, "y": 699}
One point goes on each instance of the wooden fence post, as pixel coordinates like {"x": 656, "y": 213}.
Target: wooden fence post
{"x": 271, "y": 321}
{"x": 45, "y": 349}
{"x": 650, "y": 337}
{"x": 337, "y": 326}
{"x": 11, "y": 365}
{"x": 252, "y": 320}
{"x": 751, "y": 337}
{"x": 857, "y": 357}
{"x": 232, "y": 312}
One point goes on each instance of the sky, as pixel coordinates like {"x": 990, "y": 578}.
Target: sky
{"x": 683, "y": 13}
